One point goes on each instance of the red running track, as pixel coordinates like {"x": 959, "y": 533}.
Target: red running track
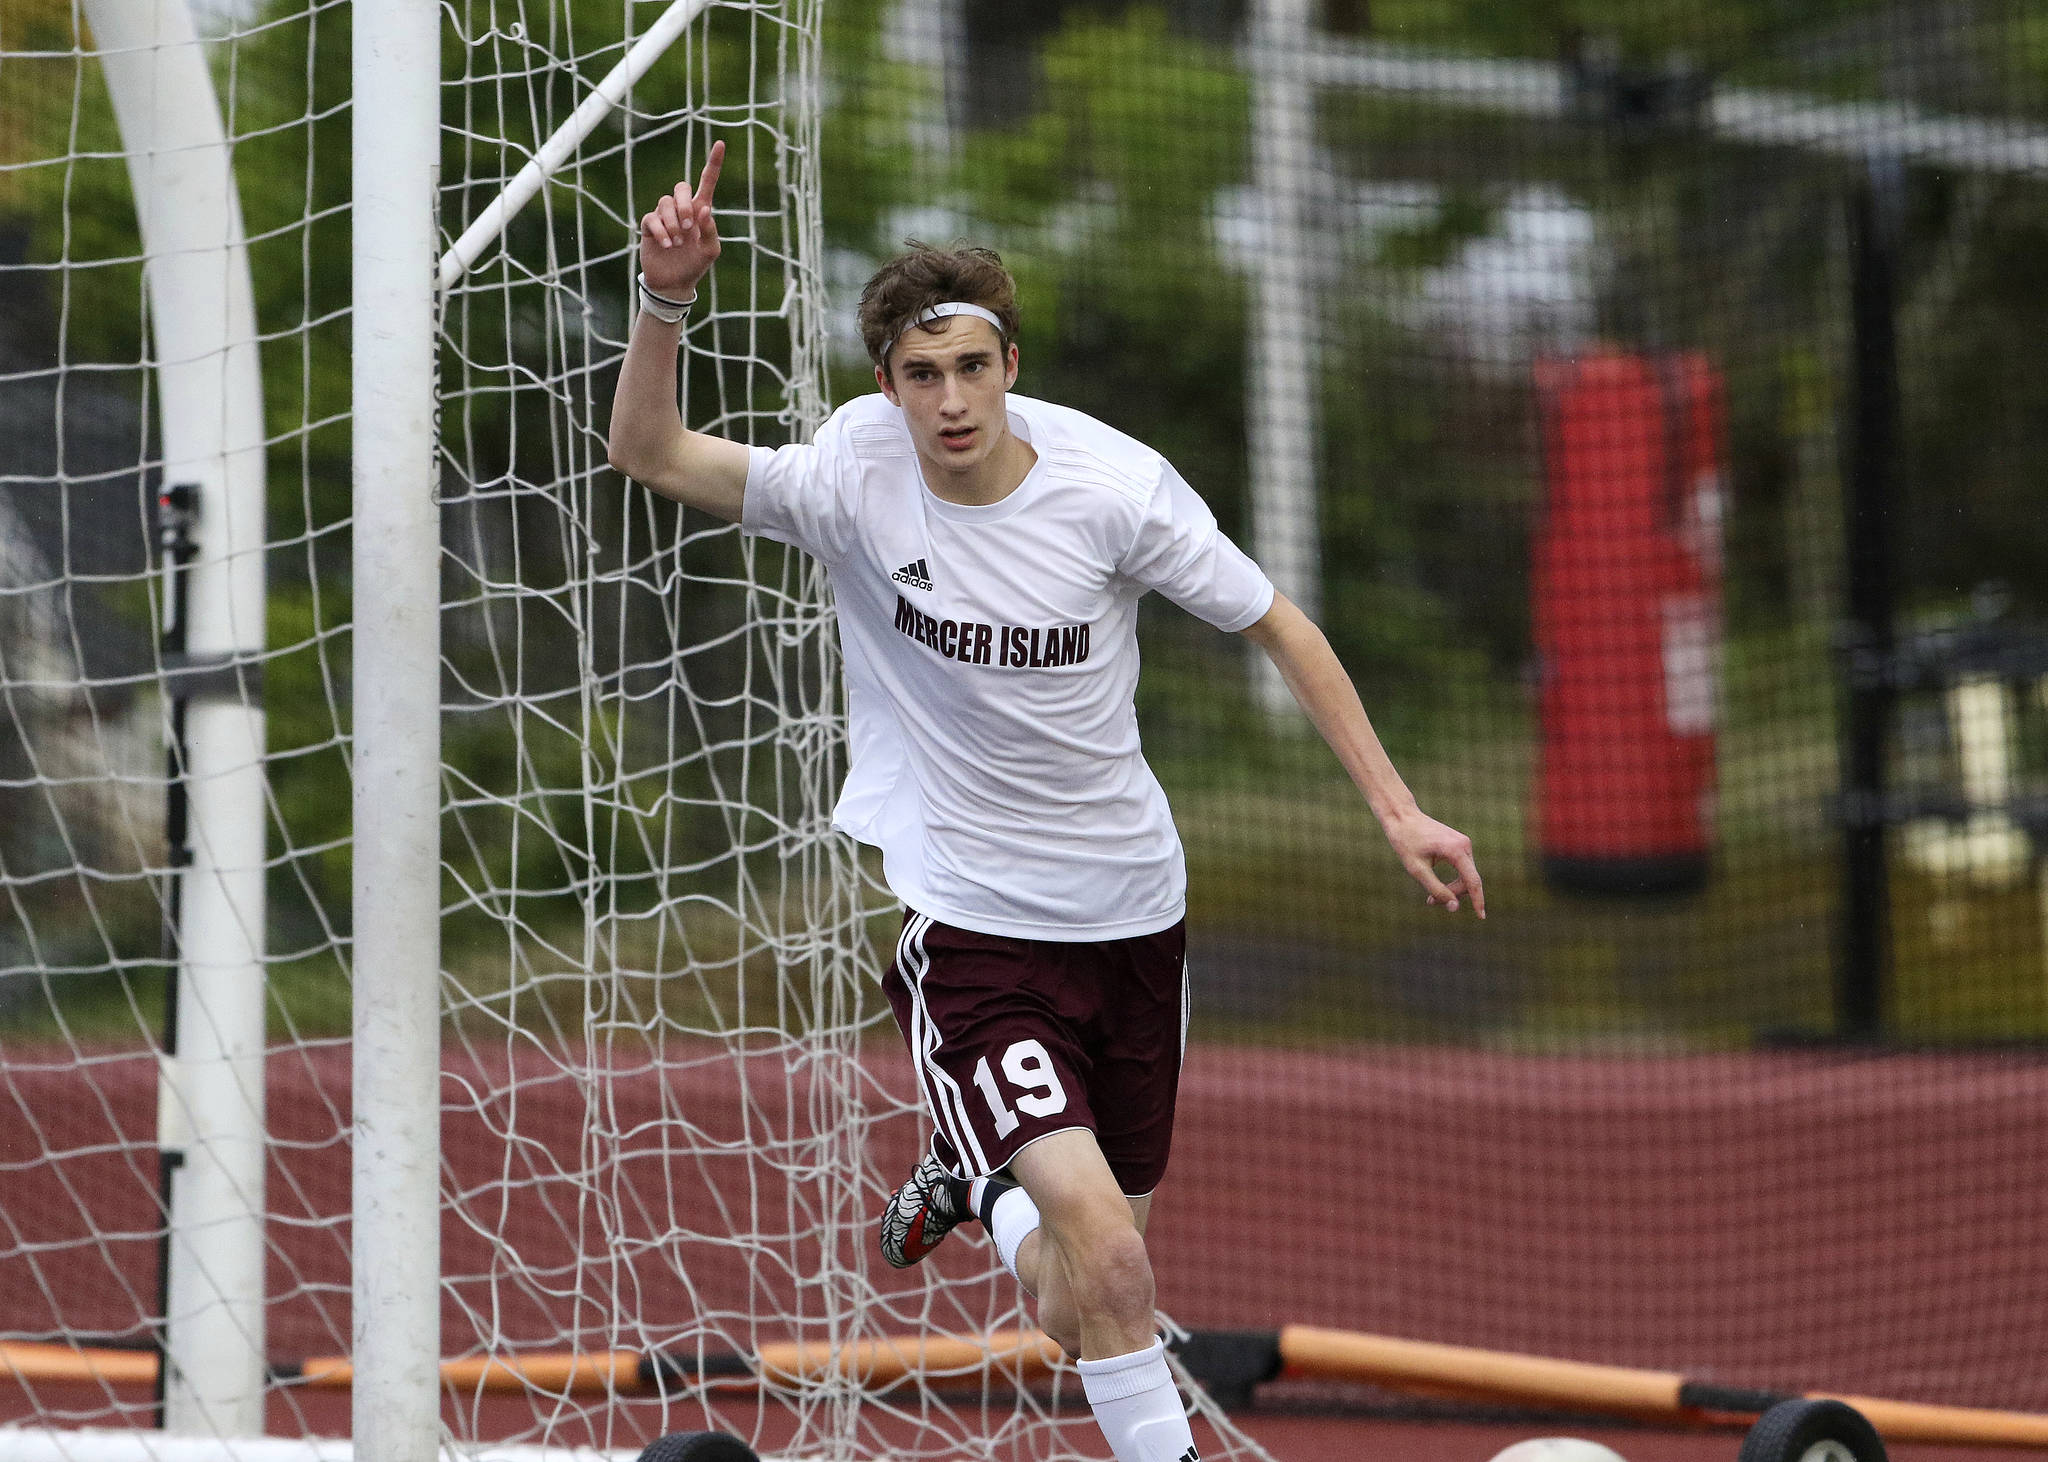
{"x": 1799, "y": 1221}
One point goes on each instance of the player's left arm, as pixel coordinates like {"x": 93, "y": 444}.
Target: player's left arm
{"x": 1318, "y": 680}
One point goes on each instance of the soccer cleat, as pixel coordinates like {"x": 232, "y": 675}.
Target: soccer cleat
{"x": 921, "y": 1212}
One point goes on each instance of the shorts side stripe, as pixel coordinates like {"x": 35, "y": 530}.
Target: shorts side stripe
{"x": 944, "y": 1097}
{"x": 907, "y": 968}
{"x": 949, "y": 1106}
{"x": 951, "y": 1100}
{"x": 1187, "y": 1006}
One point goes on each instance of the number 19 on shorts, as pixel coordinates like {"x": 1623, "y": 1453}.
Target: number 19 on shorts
{"x": 1030, "y": 1073}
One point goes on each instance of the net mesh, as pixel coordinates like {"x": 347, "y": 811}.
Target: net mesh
{"x": 1552, "y": 365}
{"x": 1560, "y": 387}
{"x": 662, "y": 1135}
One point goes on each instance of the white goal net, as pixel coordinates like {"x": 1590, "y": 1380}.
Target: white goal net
{"x": 672, "y": 1102}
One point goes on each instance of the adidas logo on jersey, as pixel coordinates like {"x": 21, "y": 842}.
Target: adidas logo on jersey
{"x": 917, "y": 575}
{"x": 1188, "y": 1456}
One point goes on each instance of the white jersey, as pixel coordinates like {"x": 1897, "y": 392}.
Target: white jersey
{"x": 991, "y": 654}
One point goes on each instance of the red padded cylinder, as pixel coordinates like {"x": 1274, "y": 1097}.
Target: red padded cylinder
{"x": 1627, "y": 616}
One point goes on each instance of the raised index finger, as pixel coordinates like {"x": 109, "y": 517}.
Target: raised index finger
{"x": 712, "y": 167}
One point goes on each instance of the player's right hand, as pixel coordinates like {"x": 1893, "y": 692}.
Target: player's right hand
{"x": 1421, "y": 842}
{"x": 679, "y": 239}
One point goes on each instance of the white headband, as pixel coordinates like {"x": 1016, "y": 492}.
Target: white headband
{"x": 940, "y": 312}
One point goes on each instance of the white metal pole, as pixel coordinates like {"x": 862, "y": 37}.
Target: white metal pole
{"x": 397, "y": 746}
{"x": 1285, "y": 325}
{"x": 203, "y": 333}
{"x": 1800, "y": 120}
{"x": 562, "y": 145}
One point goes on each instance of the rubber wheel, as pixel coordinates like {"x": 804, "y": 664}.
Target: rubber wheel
{"x": 1812, "y": 1431}
{"x": 698, "y": 1447}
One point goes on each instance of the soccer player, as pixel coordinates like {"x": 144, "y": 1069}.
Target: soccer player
{"x": 987, "y": 553}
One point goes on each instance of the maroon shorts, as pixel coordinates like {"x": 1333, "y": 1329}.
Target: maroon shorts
{"x": 1016, "y": 1039}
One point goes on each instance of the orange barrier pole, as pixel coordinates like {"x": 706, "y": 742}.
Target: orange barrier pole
{"x": 1491, "y": 1375}
{"x": 571, "y": 1375}
{"x": 869, "y": 1362}
{"x": 1964, "y": 1426}
{"x": 31, "y": 1361}
{"x": 872, "y": 1362}
{"x": 614, "y": 1370}
{"x": 1304, "y": 1351}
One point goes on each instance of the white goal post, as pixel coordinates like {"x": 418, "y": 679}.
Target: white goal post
{"x": 396, "y": 901}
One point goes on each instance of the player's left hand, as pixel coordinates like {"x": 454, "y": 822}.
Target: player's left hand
{"x": 1421, "y": 842}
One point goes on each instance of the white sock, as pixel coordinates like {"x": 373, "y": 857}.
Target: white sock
{"x": 1138, "y": 1407}
{"x": 1012, "y": 1220}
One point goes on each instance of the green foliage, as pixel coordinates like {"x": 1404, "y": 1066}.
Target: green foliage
{"x": 1464, "y": 216}
{"x": 865, "y": 144}
{"x": 1103, "y": 196}
{"x": 1720, "y": 36}
{"x": 1163, "y": 120}
{"x": 1976, "y": 429}
{"x": 1098, "y": 201}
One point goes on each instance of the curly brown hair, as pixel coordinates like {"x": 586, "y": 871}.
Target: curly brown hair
{"x": 925, "y": 275}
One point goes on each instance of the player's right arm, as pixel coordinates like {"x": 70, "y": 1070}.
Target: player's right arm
{"x": 648, "y": 441}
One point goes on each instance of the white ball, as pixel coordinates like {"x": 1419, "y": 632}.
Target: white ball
{"x": 1559, "y": 1449}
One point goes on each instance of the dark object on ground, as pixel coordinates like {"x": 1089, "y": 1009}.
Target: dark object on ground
{"x": 698, "y": 1447}
{"x": 1812, "y": 1431}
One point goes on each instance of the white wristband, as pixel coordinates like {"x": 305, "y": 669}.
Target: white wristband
{"x": 664, "y": 309}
